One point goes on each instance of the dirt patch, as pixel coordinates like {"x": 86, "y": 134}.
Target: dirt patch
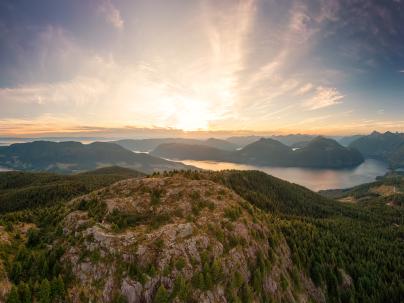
{"x": 385, "y": 190}
{"x": 4, "y": 236}
{"x": 349, "y": 199}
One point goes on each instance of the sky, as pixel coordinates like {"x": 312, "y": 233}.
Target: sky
{"x": 122, "y": 67}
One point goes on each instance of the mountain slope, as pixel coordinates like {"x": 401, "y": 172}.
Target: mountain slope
{"x": 178, "y": 151}
{"x": 68, "y": 157}
{"x": 378, "y": 145}
{"x": 347, "y": 140}
{"x": 291, "y": 139}
{"x": 323, "y": 152}
{"x": 220, "y": 144}
{"x": 166, "y": 239}
{"x": 265, "y": 152}
{"x": 22, "y": 190}
{"x": 387, "y": 190}
{"x": 388, "y": 147}
{"x": 147, "y": 145}
{"x": 189, "y": 236}
{"x": 318, "y": 153}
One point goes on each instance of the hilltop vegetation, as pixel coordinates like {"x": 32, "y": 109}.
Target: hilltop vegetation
{"x": 230, "y": 236}
{"x": 159, "y": 239}
{"x": 21, "y": 190}
{"x": 73, "y": 157}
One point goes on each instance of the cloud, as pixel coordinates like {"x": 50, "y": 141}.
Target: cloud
{"x": 324, "y": 97}
{"x": 304, "y": 89}
{"x": 111, "y": 14}
{"x": 401, "y": 71}
{"x": 78, "y": 91}
{"x": 51, "y": 53}
{"x": 245, "y": 65}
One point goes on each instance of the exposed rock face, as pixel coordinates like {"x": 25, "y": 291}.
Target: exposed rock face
{"x": 194, "y": 240}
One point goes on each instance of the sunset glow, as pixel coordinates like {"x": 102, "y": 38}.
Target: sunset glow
{"x": 248, "y": 65}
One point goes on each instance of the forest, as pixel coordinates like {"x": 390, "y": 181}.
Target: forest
{"x": 351, "y": 251}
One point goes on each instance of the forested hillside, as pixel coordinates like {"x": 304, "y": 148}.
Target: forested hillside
{"x": 22, "y": 190}
{"x": 229, "y": 236}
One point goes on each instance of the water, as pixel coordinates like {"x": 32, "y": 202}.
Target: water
{"x": 315, "y": 179}
{"x": 4, "y": 169}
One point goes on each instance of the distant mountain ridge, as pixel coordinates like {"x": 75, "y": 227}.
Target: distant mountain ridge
{"x": 289, "y": 139}
{"x": 70, "y": 157}
{"x": 147, "y": 145}
{"x": 319, "y": 153}
{"x": 386, "y": 146}
{"x": 265, "y": 152}
{"x": 292, "y": 139}
{"x": 181, "y": 151}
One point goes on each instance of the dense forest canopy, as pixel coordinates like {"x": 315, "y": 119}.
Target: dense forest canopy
{"x": 351, "y": 251}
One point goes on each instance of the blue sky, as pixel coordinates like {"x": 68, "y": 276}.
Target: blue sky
{"x": 102, "y": 66}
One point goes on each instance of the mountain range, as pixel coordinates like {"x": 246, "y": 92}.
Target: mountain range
{"x": 70, "y": 157}
{"x": 320, "y": 152}
{"x": 147, "y": 145}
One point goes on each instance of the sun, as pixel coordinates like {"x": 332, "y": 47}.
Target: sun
{"x": 192, "y": 114}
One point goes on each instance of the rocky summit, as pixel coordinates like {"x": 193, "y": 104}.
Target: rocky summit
{"x": 173, "y": 238}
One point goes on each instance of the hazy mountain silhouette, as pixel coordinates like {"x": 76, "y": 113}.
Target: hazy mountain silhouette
{"x": 69, "y": 157}
{"x": 319, "y": 153}
{"x": 147, "y": 145}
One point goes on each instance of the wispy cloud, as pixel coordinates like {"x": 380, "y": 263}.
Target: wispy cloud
{"x": 250, "y": 64}
{"x": 324, "y": 97}
{"x": 304, "y": 89}
{"x": 111, "y": 14}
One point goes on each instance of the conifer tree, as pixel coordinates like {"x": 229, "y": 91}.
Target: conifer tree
{"x": 45, "y": 292}
{"x": 162, "y": 295}
{"x": 13, "y": 296}
{"x": 24, "y": 292}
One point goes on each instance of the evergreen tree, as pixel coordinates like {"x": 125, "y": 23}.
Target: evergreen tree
{"x": 57, "y": 288}
{"x": 13, "y": 296}
{"x": 246, "y": 294}
{"x": 201, "y": 281}
{"x": 45, "y": 292}
{"x": 181, "y": 288}
{"x": 24, "y": 292}
{"x": 16, "y": 272}
{"x": 162, "y": 295}
{"x": 216, "y": 270}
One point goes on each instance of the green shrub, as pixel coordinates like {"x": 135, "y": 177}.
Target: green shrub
{"x": 232, "y": 213}
{"x": 180, "y": 263}
{"x": 162, "y": 295}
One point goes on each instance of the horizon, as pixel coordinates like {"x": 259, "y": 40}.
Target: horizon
{"x": 161, "y": 133}
{"x": 125, "y": 69}
{"x": 185, "y": 135}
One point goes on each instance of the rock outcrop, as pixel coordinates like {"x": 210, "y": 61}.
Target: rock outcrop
{"x": 188, "y": 240}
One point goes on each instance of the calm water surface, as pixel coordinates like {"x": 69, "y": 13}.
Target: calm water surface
{"x": 4, "y": 169}
{"x": 315, "y": 179}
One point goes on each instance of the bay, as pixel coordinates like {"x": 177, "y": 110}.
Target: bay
{"x": 314, "y": 179}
